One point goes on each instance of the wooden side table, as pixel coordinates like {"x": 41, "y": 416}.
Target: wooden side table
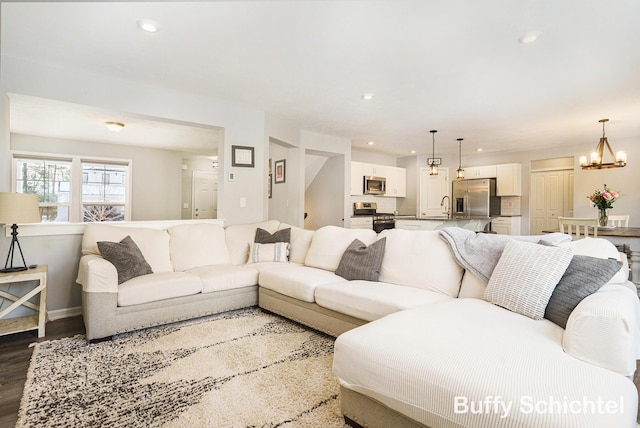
{"x": 28, "y": 322}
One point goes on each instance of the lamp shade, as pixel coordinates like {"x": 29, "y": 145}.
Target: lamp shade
{"x": 19, "y": 208}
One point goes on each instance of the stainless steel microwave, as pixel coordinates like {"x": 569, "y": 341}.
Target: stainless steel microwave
{"x": 374, "y": 185}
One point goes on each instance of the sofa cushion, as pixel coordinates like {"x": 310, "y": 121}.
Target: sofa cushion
{"x": 367, "y": 300}
{"x": 274, "y": 252}
{"x": 471, "y": 287}
{"x": 126, "y": 257}
{"x": 296, "y": 281}
{"x": 225, "y": 277}
{"x": 195, "y": 245}
{"x": 330, "y": 242}
{"x": 416, "y": 363}
{"x": 239, "y": 236}
{"x": 419, "y": 258}
{"x": 300, "y": 242}
{"x": 264, "y": 237}
{"x": 601, "y": 248}
{"x": 153, "y": 243}
{"x": 584, "y": 276}
{"x": 158, "y": 286}
{"x": 525, "y": 277}
{"x": 603, "y": 329}
{"x": 362, "y": 262}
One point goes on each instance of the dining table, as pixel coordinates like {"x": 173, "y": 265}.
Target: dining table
{"x": 623, "y": 236}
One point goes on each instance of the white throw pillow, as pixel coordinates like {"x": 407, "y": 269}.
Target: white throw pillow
{"x": 276, "y": 252}
{"x": 525, "y": 277}
{"x": 601, "y": 248}
{"x": 196, "y": 245}
{"x": 330, "y": 242}
{"x": 300, "y": 242}
{"x": 239, "y": 236}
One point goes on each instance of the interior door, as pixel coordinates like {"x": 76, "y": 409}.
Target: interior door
{"x": 550, "y": 193}
{"x": 205, "y": 195}
{"x": 432, "y": 189}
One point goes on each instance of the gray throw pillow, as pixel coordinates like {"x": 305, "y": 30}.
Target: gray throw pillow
{"x": 264, "y": 237}
{"x": 361, "y": 262}
{"x": 583, "y": 277}
{"x": 126, "y": 257}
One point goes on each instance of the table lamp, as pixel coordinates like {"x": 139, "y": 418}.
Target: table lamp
{"x": 17, "y": 208}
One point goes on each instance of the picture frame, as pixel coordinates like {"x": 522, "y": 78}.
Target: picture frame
{"x": 242, "y": 156}
{"x": 436, "y": 161}
{"x": 280, "y": 167}
{"x": 270, "y": 186}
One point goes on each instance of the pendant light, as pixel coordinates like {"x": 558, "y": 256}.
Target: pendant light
{"x": 433, "y": 166}
{"x": 460, "y": 171}
{"x": 620, "y": 158}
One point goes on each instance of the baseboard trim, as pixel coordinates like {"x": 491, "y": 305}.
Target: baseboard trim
{"x": 64, "y": 313}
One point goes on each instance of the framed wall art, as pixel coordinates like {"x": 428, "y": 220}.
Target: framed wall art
{"x": 242, "y": 156}
{"x": 281, "y": 171}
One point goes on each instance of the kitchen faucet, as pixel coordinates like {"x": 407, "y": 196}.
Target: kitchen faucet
{"x": 448, "y": 204}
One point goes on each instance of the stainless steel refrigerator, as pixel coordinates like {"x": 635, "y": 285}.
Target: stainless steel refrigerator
{"x": 475, "y": 198}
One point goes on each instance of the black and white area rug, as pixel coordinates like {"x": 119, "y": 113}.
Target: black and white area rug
{"x": 241, "y": 369}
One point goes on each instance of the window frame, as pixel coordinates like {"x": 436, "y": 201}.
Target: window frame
{"x": 75, "y": 197}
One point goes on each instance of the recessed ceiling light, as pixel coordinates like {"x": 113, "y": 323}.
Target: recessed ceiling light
{"x": 367, "y": 97}
{"x": 148, "y": 25}
{"x": 114, "y": 126}
{"x": 528, "y": 38}
{"x": 413, "y": 152}
{"x": 478, "y": 150}
{"x": 370, "y": 143}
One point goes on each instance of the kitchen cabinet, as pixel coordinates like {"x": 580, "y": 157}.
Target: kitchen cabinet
{"x": 364, "y": 222}
{"x": 509, "y": 179}
{"x": 357, "y": 174}
{"x": 396, "y": 182}
{"x": 485, "y": 171}
{"x": 506, "y": 225}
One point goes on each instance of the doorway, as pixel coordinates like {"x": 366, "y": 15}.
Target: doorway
{"x": 205, "y": 195}
{"x": 432, "y": 189}
{"x": 551, "y": 197}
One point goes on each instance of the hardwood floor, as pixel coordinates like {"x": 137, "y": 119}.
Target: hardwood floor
{"x": 15, "y": 355}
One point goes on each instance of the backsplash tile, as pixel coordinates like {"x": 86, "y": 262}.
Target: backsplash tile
{"x": 510, "y": 205}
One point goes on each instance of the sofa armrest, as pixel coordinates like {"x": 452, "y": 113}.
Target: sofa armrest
{"x": 96, "y": 275}
{"x": 604, "y": 329}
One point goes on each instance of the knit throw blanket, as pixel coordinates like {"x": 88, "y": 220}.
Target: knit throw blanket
{"x": 479, "y": 252}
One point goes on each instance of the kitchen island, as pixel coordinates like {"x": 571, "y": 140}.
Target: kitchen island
{"x": 476, "y": 224}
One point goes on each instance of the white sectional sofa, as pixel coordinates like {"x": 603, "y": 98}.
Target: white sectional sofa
{"x": 427, "y": 343}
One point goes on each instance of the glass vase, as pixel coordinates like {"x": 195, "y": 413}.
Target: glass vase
{"x": 603, "y": 219}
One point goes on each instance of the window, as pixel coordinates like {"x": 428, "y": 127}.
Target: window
{"x": 71, "y": 189}
{"x": 49, "y": 179}
{"x": 104, "y": 192}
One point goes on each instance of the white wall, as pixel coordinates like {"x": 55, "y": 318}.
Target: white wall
{"x": 366, "y": 156}
{"x": 320, "y": 197}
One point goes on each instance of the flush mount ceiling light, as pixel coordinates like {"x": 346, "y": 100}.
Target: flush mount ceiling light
{"x": 148, "y": 25}
{"x": 433, "y": 166}
{"x": 528, "y": 38}
{"x": 620, "y": 158}
{"x": 114, "y": 126}
{"x": 460, "y": 171}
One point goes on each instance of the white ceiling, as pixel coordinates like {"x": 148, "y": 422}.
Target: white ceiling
{"x": 451, "y": 65}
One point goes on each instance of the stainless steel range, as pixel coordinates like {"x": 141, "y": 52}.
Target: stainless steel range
{"x": 381, "y": 221}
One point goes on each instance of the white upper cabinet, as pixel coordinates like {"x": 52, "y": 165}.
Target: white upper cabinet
{"x": 357, "y": 178}
{"x": 485, "y": 171}
{"x": 509, "y": 179}
{"x": 396, "y": 182}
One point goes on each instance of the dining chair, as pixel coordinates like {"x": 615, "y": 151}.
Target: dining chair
{"x": 580, "y": 227}
{"x": 618, "y": 220}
